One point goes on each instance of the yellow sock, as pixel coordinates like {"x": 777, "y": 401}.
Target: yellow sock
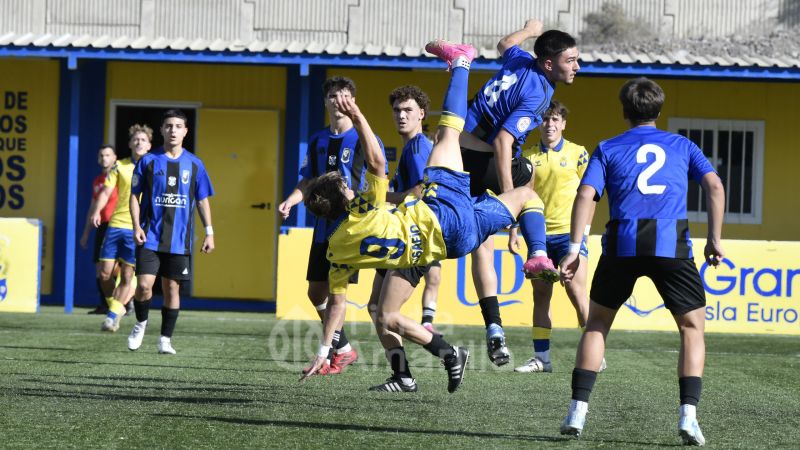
{"x": 115, "y": 306}
{"x": 542, "y": 333}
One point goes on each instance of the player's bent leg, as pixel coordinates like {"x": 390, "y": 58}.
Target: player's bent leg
{"x": 577, "y": 291}
{"x": 318, "y": 295}
{"x": 433, "y": 278}
{"x": 447, "y": 152}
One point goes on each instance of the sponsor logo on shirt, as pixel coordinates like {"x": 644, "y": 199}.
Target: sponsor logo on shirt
{"x": 171, "y": 200}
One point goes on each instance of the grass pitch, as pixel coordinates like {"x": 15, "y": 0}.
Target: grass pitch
{"x": 233, "y": 384}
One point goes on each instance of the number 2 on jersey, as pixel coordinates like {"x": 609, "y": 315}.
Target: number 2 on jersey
{"x": 649, "y": 171}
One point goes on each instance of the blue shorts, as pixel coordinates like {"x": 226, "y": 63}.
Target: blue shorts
{"x": 558, "y": 247}
{"x": 118, "y": 245}
{"x": 465, "y": 222}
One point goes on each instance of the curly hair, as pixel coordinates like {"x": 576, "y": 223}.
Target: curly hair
{"x": 140, "y": 129}
{"x": 556, "y": 107}
{"x": 325, "y": 196}
{"x": 407, "y": 92}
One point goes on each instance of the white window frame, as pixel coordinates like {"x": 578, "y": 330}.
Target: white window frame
{"x": 114, "y": 103}
{"x": 754, "y": 126}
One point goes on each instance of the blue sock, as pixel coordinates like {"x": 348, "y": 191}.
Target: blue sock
{"x": 532, "y": 226}
{"x": 455, "y": 100}
{"x": 541, "y": 345}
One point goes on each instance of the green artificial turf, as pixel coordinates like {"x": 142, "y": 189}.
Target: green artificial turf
{"x": 234, "y": 384}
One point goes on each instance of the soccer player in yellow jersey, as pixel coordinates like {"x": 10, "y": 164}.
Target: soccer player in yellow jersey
{"x": 118, "y": 244}
{"x": 445, "y": 223}
{"x": 558, "y": 166}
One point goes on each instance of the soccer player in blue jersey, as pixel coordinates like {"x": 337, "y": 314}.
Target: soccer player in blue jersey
{"x": 446, "y": 223}
{"x": 500, "y": 116}
{"x": 171, "y": 182}
{"x": 409, "y": 108}
{"x": 645, "y": 172}
{"x": 336, "y": 148}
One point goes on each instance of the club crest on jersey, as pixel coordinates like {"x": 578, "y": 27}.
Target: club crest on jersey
{"x": 185, "y": 177}
{"x": 346, "y": 153}
{"x": 523, "y": 123}
{"x": 135, "y": 180}
{"x": 563, "y": 162}
{"x": 172, "y": 181}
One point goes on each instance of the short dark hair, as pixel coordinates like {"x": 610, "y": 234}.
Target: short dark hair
{"x": 105, "y": 146}
{"x": 641, "y": 100}
{"x": 170, "y": 113}
{"x": 556, "y": 107}
{"x": 338, "y": 83}
{"x": 409, "y": 92}
{"x": 324, "y": 196}
{"x": 552, "y": 42}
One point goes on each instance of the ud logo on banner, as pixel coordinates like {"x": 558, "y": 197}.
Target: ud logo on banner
{"x": 5, "y": 244}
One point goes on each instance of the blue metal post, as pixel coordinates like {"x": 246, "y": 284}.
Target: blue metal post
{"x": 72, "y": 184}
{"x": 302, "y": 131}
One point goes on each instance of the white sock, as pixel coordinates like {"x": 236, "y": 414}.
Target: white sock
{"x": 540, "y": 253}
{"x": 344, "y": 349}
{"x": 544, "y": 356}
{"x": 578, "y": 406}
{"x": 688, "y": 410}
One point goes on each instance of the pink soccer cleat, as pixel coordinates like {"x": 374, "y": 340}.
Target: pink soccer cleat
{"x": 450, "y": 52}
{"x": 342, "y": 360}
{"x": 540, "y": 268}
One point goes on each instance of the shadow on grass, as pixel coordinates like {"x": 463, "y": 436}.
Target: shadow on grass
{"x": 49, "y": 393}
{"x": 169, "y": 366}
{"x": 367, "y": 428}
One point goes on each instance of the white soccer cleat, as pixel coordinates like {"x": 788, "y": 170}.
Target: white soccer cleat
{"x": 690, "y": 433}
{"x": 165, "y": 346}
{"x": 136, "y": 336}
{"x": 535, "y": 364}
{"x": 575, "y": 420}
{"x": 110, "y": 324}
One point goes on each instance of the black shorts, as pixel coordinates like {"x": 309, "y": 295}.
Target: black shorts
{"x": 413, "y": 274}
{"x": 99, "y": 236}
{"x": 482, "y": 170}
{"x": 318, "y": 264}
{"x": 167, "y": 265}
{"x": 677, "y": 281}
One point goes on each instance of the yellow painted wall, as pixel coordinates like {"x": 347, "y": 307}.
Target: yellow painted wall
{"x": 214, "y": 86}
{"x": 28, "y": 177}
{"x": 595, "y": 114}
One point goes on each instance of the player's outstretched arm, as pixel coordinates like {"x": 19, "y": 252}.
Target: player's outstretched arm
{"x": 138, "y": 233}
{"x": 100, "y": 202}
{"x": 715, "y": 199}
{"x": 285, "y": 208}
{"x": 533, "y": 28}
{"x": 582, "y": 210}
{"x": 376, "y": 162}
{"x": 333, "y": 320}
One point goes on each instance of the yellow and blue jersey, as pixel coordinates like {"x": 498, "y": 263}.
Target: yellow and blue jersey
{"x": 120, "y": 177}
{"x": 646, "y": 172}
{"x": 371, "y": 235}
{"x": 557, "y": 175}
{"x": 512, "y": 100}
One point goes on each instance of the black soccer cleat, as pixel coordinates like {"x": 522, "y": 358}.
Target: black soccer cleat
{"x": 497, "y": 350}
{"x": 455, "y": 365}
{"x": 395, "y": 384}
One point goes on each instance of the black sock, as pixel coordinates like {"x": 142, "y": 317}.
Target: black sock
{"x": 438, "y": 347}
{"x": 342, "y": 340}
{"x": 103, "y": 303}
{"x": 142, "y": 310}
{"x": 428, "y": 314}
{"x": 334, "y": 343}
{"x": 690, "y": 388}
{"x": 490, "y": 309}
{"x": 168, "y": 319}
{"x": 582, "y": 384}
{"x": 398, "y": 362}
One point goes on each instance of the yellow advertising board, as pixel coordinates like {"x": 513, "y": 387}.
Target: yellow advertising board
{"x": 28, "y": 146}
{"x": 20, "y": 262}
{"x": 751, "y": 292}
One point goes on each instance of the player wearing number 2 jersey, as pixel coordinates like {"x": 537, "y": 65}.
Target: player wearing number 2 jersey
{"x": 645, "y": 172}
